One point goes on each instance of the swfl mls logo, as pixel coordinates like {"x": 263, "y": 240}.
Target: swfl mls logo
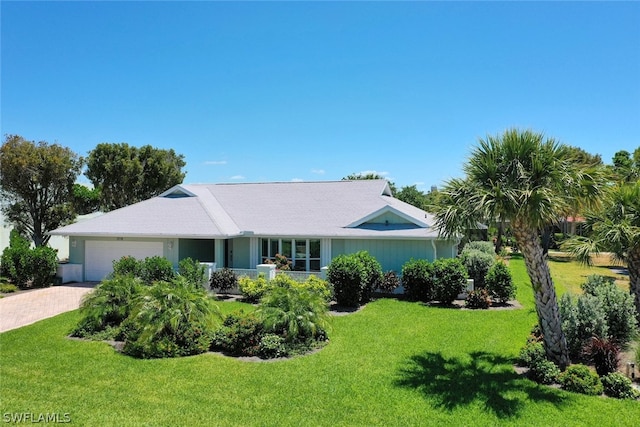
{"x": 29, "y": 417}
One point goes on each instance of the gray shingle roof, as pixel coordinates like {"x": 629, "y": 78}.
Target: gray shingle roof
{"x": 296, "y": 209}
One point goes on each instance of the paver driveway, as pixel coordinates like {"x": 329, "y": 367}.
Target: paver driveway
{"x": 29, "y": 307}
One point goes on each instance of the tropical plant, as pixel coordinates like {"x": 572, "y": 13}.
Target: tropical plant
{"x": 530, "y": 180}
{"x": 417, "y": 280}
{"x": 478, "y": 299}
{"x": 192, "y": 271}
{"x": 618, "y": 309}
{"x": 603, "y": 353}
{"x": 253, "y": 289}
{"x": 615, "y": 227}
{"x": 170, "y": 319}
{"x": 499, "y": 283}
{"x": 450, "y": 279}
{"x": 480, "y": 245}
{"x": 477, "y": 263}
{"x": 223, "y": 280}
{"x": 295, "y": 314}
{"x": 390, "y": 282}
{"x": 108, "y": 305}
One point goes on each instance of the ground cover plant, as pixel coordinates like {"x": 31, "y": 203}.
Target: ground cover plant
{"x": 393, "y": 363}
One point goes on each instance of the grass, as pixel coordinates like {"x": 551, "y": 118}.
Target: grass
{"x": 393, "y": 363}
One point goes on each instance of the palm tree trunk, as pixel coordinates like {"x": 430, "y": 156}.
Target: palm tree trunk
{"x": 633, "y": 265}
{"x": 547, "y": 309}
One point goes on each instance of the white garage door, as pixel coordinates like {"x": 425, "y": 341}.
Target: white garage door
{"x": 100, "y": 254}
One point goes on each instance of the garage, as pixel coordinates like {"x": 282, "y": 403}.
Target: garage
{"x": 100, "y": 254}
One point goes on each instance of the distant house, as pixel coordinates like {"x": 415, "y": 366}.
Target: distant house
{"x": 242, "y": 225}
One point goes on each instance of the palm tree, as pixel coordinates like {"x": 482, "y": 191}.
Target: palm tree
{"x": 530, "y": 180}
{"x": 615, "y": 227}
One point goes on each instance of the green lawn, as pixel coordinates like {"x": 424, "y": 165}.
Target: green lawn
{"x": 392, "y": 363}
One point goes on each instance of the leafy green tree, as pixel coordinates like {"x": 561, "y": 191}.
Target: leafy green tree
{"x": 410, "y": 194}
{"x": 626, "y": 167}
{"x": 615, "y": 227}
{"x": 85, "y": 200}
{"x": 36, "y": 185}
{"x": 125, "y": 174}
{"x": 531, "y": 181}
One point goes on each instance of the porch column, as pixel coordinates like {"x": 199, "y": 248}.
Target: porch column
{"x": 218, "y": 253}
{"x": 254, "y": 252}
{"x": 325, "y": 252}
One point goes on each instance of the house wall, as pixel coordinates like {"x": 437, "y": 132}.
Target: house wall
{"x": 77, "y": 247}
{"x": 389, "y": 217}
{"x": 202, "y": 250}
{"x": 241, "y": 253}
{"x": 391, "y": 254}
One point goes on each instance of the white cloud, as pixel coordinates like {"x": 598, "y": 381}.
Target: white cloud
{"x": 237, "y": 177}
{"x": 215, "y": 162}
{"x": 318, "y": 171}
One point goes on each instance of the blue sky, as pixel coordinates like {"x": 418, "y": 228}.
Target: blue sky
{"x": 314, "y": 90}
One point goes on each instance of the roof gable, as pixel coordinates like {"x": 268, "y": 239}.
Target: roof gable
{"x": 388, "y": 215}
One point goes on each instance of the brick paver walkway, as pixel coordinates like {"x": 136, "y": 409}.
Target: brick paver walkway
{"x": 29, "y": 307}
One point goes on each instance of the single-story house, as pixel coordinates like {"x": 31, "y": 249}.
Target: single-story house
{"x": 242, "y": 225}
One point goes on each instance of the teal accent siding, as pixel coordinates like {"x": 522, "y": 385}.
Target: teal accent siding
{"x": 202, "y": 250}
{"x": 241, "y": 253}
{"x": 391, "y": 254}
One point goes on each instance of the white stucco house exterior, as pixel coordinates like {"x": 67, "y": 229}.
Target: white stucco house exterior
{"x": 241, "y": 225}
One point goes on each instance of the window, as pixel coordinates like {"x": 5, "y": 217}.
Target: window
{"x": 304, "y": 254}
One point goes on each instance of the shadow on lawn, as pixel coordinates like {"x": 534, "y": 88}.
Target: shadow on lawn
{"x": 484, "y": 377}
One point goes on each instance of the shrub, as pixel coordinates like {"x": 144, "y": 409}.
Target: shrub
{"x": 127, "y": 266}
{"x": 253, "y": 289}
{"x": 372, "y": 275}
{"x": 108, "y": 305}
{"x": 604, "y": 354}
{"x": 617, "y": 385}
{"x": 347, "y": 275}
{"x": 478, "y": 299}
{"x": 321, "y": 287}
{"x": 581, "y": 320}
{"x": 7, "y": 288}
{"x": 543, "y": 371}
{"x": 499, "y": 283}
{"x": 223, "y": 280}
{"x": 477, "y": 264}
{"x": 617, "y": 305}
{"x": 480, "y": 245}
{"x": 580, "y": 379}
{"x": 23, "y": 265}
{"x": 170, "y": 319}
{"x": 530, "y": 353}
{"x": 156, "y": 269}
{"x": 15, "y": 262}
{"x": 43, "y": 262}
{"x": 295, "y": 314}
{"x": 390, "y": 282}
{"x": 271, "y": 346}
{"x": 450, "y": 279}
{"x": 417, "y": 280}
{"x": 240, "y": 335}
{"x": 192, "y": 271}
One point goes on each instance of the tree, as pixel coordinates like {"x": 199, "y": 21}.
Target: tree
{"x": 369, "y": 175}
{"x": 85, "y": 200}
{"x": 410, "y": 194}
{"x": 36, "y": 185}
{"x": 125, "y": 175}
{"x": 615, "y": 227}
{"x": 626, "y": 168}
{"x": 531, "y": 181}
